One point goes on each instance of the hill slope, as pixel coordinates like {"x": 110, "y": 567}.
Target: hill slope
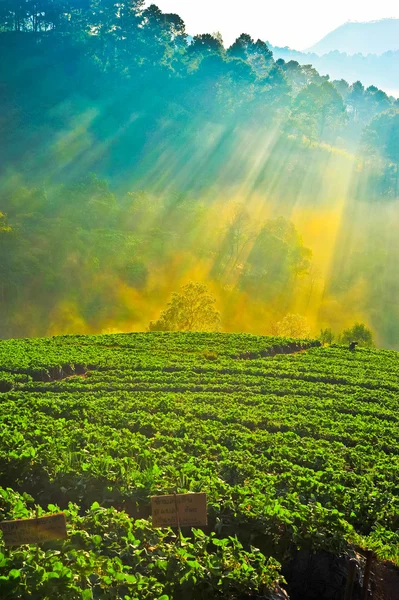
{"x": 296, "y": 445}
{"x": 374, "y": 37}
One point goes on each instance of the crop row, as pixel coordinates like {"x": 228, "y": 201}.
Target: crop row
{"x": 293, "y": 449}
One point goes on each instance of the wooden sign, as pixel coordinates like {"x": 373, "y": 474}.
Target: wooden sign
{"x": 34, "y": 531}
{"x": 179, "y": 510}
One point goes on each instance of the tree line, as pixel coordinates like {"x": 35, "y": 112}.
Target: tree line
{"x": 108, "y": 86}
{"x": 192, "y": 308}
{"x": 374, "y": 70}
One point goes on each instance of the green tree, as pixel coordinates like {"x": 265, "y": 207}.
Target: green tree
{"x": 236, "y": 236}
{"x": 206, "y": 44}
{"x": 382, "y": 137}
{"x": 193, "y": 309}
{"x": 377, "y": 101}
{"x": 356, "y": 100}
{"x": 358, "y": 333}
{"x": 326, "y": 336}
{"x": 14, "y": 15}
{"x": 294, "y": 73}
{"x": 242, "y": 47}
{"x": 277, "y": 258}
{"x": 342, "y": 87}
{"x": 317, "y": 110}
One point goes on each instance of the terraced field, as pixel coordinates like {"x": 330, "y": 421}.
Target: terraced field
{"x": 296, "y": 446}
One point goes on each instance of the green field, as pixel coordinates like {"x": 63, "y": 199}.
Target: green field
{"x": 296, "y": 446}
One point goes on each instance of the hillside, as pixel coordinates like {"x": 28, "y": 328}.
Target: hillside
{"x": 373, "y": 37}
{"x": 133, "y": 162}
{"x": 296, "y": 446}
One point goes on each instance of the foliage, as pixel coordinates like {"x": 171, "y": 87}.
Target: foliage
{"x": 358, "y": 333}
{"x": 317, "y": 109}
{"x": 326, "y": 336}
{"x": 277, "y": 258}
{"x": 210, "y": 355}
{"x": 378, "y": 69}
{"x": 4, "y": 228}
{"x": 190, "y": 310}
{"x": 108, "y": 555}
{"x": 294, "y": 326}
{"x": 286, "y": 444}
{"x": 89, "y": 57}
{"x": 382, "y": 137}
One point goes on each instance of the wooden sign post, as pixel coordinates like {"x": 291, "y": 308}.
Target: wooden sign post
{"x": 34, "y": 531}
{"x": 179, "y": 510}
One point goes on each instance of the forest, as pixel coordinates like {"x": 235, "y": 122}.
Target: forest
{"x": 134, "y": 159}
{"x": 372, "y": 69}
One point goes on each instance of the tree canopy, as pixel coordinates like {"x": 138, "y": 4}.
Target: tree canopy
{"x": 191, "y": 309}
{"x": 294, "y": 326}
{"x": 358, "y": 333}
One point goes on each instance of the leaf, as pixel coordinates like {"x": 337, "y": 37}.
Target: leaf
{"x": 97, "y": 539}
{"x": 15, "y": 573}
{"x": 3, "y": 560}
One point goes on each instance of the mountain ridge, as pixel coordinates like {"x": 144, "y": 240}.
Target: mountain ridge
{"x": 364, "y": 37}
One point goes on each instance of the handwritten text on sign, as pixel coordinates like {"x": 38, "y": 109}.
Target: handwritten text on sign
{"x": 34, "y": 531}
{"x": 191, "y": 510}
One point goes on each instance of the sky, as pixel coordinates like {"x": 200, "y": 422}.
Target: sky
{"x": 298, "y": 24}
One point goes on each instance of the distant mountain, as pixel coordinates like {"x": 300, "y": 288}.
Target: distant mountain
{"x": 373, "y": 37}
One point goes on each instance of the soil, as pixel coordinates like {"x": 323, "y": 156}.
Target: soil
{"x": 384, "y": 581}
